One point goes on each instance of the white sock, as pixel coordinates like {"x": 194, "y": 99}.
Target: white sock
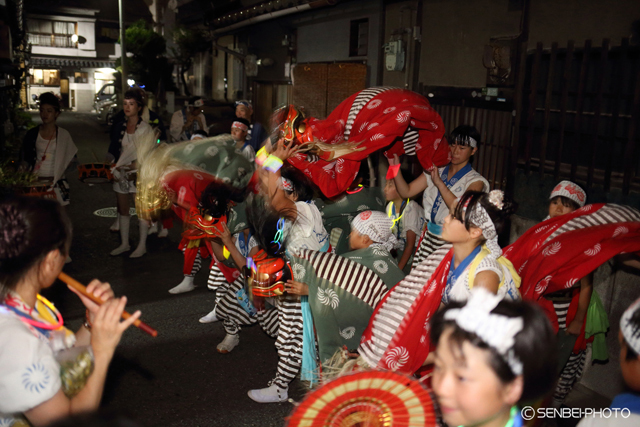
{"x": 185, "y": 286}
{"x": 116, "y": 225}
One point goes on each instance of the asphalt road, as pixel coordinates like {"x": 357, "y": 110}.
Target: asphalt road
{"x": 178, "y": 378}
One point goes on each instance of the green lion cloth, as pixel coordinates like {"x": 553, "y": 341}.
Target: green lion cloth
{"x": 343, "y": 293}
{"x": 218, "y": 157}
{"x": 338, "y": 214}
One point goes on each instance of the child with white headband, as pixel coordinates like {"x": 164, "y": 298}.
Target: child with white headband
{"x": 239, "y": 130}
{"x": 473, "y": 229}
{"x": 492, "y": 356}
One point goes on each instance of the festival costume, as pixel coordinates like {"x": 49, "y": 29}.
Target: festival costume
{"x": 436, "y": 210}
{"x": 57, "y": 152}
{"x": 338, "y": 214}
{"x": 548, "y": 257}
{"x": 370, "y": 120}
{"x": 37, "y": 358}
{"x": 410, "y": 217}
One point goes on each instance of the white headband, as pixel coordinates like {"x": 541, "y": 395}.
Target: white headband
{"x": 240, "y": 125}
{"x": 471, "y": 141}
{"x": 630, "y": 332}
{"x": 286, "y": 184}
{"x": 496, "y": 330}
{"x": 571, "y": 191}
{"x": 481, "y": 219}
{"x": 376, "y": 225}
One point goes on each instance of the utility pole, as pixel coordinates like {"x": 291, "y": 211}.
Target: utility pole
{"x": 123, "y": 52}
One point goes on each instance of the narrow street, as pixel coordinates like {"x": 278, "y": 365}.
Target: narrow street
{"x": 178, "y": 378}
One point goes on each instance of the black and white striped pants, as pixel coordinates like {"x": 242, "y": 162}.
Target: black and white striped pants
{"x": 217, "y": 282}
{"x": 197, "y": 264}
{"x": 428, "y": 245}
{"x": 283, "y": 322}
{"x": 572, "y": 371}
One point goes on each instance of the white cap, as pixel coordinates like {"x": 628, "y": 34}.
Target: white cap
{"x": 571, "y": 191}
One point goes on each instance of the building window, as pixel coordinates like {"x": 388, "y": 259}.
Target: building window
{"x": 42, "y": 32}
{"x": 46, "y": 77}
{"x": 80, "y": 77}
{"x": 358, "y": 40}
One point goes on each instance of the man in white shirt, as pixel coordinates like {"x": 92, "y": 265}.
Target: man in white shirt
{"x": 187, "y": 120}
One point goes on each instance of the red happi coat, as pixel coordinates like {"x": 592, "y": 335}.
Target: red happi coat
{"x": 549, "y": 257}
{"x": 374, "y": 119}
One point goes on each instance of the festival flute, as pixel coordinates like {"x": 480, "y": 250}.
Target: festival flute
{"x": 83, "y": 290}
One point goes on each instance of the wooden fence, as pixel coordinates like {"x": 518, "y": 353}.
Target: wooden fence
{"x": 580, "y": 114}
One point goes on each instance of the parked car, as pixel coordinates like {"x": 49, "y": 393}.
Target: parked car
{"x": 106, "y": 109}
{"x": 105, "y": 93}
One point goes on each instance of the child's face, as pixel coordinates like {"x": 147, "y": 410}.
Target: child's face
{"x": 630, "y": 368}
{"x": 358, "y": 241}
{"x": 460, "y": 154}
{"x": 556, "y": 208}
{"x": 238, "y": 134}
{"x": 390, "y": 192}
{"x": 454, "y": 231}
{"x": 467, "y": 389}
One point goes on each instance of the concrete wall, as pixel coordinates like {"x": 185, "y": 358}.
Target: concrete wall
{"x": 455, "y": 32}
{"x": 323, "y": 36}
{"x": 84, "y": 96}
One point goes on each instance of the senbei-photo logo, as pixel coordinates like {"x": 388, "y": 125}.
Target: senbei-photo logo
{"x": 529, "y": 413}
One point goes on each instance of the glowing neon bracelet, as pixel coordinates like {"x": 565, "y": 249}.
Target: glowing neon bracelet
{"x": 273, "y": 164}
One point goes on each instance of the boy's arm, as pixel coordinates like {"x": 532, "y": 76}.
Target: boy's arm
{"x": 586, "y": 289}
{"x": 409, "y": 248}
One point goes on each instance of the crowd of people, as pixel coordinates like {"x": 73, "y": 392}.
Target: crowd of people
{"x": 365, "y": 278}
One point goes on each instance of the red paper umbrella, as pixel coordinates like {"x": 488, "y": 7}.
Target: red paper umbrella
{"x": 370, "y": 398}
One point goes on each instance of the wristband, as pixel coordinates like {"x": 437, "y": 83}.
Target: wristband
{"x": 273, "y": 164}
{"x": 225, "y": 252}
{"x": 393, "y": 171}
{"x": 261, "y": 156}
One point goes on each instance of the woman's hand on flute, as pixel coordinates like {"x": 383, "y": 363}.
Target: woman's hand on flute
{"x": 107, "y": 328}
{"x": 101, "y": 290}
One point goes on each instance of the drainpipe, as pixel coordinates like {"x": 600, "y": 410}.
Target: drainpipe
{"x": 277, "y": 14}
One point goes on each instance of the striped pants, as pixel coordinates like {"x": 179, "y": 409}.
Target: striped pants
{"x": 283, "y": 322}
{"x": 572, "y": 371}
{"x": 429, "y": 243}
{"x": 197, "y": 264}
{"x": 217, "y": 282}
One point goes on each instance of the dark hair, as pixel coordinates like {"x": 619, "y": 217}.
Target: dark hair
{"x": 217, "y": 197}
{"x": 635, "y": 324}
{"x": 470, "y": 199}
{"x": 566, "y": 202}
{"x": 534, "y": 347}
{"x": 48, "y": 98}
{"x": 263, "y": 222}
{"x": 31, "y": 228}
{"x": 193, "y": 99}
{"x": 201, "y": 132}
{"x": 462, "y": 135}
{"x": 137, "y": 95}
{"x": 302, "y": 186}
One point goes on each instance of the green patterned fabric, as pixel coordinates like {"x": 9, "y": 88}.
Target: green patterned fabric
{"x": 343, "y": 292}
{"x": 380, "y": 261}
{"x": 338, "y": 214}
{"x": 217, "y": 156}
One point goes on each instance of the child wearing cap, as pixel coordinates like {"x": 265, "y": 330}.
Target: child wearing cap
{"x": 626, "y": 406}
{"x": 571, "y": 305}
{"x": 239, "y": 130}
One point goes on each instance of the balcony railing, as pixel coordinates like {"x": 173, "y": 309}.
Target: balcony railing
{"x": 51, "y": 40}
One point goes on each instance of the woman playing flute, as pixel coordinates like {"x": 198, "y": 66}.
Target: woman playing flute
{"x": 45, "y": 369}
